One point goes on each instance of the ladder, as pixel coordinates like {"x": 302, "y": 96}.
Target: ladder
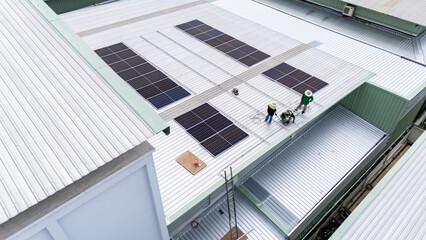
{"x": 232, "y": 211}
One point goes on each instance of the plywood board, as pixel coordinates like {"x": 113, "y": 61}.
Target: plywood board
{"x": 234, "y": 237}
{"x": 187, "y": 161}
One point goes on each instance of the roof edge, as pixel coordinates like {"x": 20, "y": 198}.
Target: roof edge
{"x": 154, "y": 122}
{"x": 270, "y": 148}
{"x": 346, "y": 225}
{"x": 61, "y": 197}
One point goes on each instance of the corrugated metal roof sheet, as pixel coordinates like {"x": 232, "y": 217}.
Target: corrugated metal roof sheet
{"x": 396, "y": 207}
{"x": 199, "y": 67}
{"x": 302, "y": 173}
{"x": 410, "y": 10}
{"x": 59, "y": 120}
{"x": 382, "y": 38}
{"x": 392, "y": 72}
{"x": 213, "y": 225}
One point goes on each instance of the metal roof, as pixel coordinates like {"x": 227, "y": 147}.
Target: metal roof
{"x": 404, "y": 77}
{"x": 59, "y": 120}
{"x": 396, "y": 207}
{"x": 303, "y": 172}
{"x": 207, "y": 74}
{"x": 383, "y": 38}
{"x": 213, "y": 225}
{"x": 410, "y": 10}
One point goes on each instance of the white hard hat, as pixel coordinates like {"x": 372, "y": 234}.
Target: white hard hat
{"x": 274, "y": 105}
{"x": 308, "y": 93}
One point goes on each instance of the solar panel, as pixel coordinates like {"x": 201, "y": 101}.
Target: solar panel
{"x": 233, "y": 134}
{"x": 294, "y": 78}
{"x": 205, "y": 111}
{"x": 301, "y": 88}
{"x": 288, "y": 81}
{"x": 218, "y": 122}
{"x": 146, "y": 79}
{"x": 201, "y": 131}
{"x": 246, "y": 54}
{"x": 216, "y": 145}
{"x": 211, "y": 129}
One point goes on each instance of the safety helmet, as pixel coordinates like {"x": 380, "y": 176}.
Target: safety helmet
{"x": 308, "y": 93}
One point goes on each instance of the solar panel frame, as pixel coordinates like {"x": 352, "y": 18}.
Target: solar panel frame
{"x": 294, "y": 78}
{"x": 247, "y": 55}
{"x": 151, "y": 83}
{"x": 203, "y": 121}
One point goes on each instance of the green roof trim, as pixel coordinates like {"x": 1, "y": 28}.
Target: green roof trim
{"x": 126, "y": 93}
{"x": 263, "y": 153}
{"x": 346, "y": 225}
{"x": 262, "y": 208}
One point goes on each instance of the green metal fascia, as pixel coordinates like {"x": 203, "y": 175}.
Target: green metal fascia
{"x": 127, "y": 94}
{"x": 263, "y": 153}
{"x": 377, "y": 190}
{"x": 262, "y": 208}
{"x": 378, "y": 106}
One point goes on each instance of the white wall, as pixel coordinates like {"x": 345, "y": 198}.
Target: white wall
{"x": 126, "y": 205}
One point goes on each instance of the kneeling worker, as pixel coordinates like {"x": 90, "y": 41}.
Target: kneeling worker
{"x": 286, "y": 116}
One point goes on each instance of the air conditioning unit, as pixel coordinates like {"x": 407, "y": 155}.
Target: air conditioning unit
{"x": 348, "y": 10}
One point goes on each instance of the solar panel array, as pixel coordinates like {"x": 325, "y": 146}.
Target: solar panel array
{"x": 146, "y": 79}
{"x": 294, "y": 78}
{"x": 211, "y": 129}
{"x": 234, "y": 48}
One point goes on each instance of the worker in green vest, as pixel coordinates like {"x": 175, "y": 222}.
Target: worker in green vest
{"x": 272, "y": 109}
{"x": 286, "y": 117}
{"x": 306, "y": 99}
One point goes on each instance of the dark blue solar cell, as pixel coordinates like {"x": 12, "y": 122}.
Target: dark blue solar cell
{"x": 247, "y": 49}
{"x": 103, "y": 52}
{"x": 177, "y": 93}
{"x": 160, "y": 100}
{"x": 195, "y": 23}
{"x": 233, "y": 134}
{"x": 285, "y": 68}
{"x": 216, "y": 145}
{"x": 249, "y": 61}
{"x": 214, "y": 33}
{"x": 288, "y": 81}
{"x": 299, "y": 75}
{"x": 203, "y": 36}
{"x": 117, "y": 47}
{"x": 184, "y": 26}
{"x": 204, "y": 28}
{"x": 188, "y": 120}
{"x": 236, "y": 54}
{"x": 218, "y": 122}
{"x": 205, "y": 111}
{"x": 273, "y": 73}
{"x": 259, "y": 55}
{"x": 201, "y": 131}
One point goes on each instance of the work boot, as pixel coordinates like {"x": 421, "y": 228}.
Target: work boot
{"x": 303, "y": 112}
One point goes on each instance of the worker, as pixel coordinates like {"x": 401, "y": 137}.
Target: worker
{"x": 306, "y": 99}
{"x": 286, "y": 116}
{"x": 272, "y": 109}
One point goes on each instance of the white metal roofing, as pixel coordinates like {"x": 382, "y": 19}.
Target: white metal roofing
{"x": 396, "y": 207}
{"x": 383, "y": 38}
{"x": 392, "y": 72}
{"x": 410, "y": 10}
{"x": 198, "y": 67}
{"x": 213, "y": 225}
{"x": 301, "y": 174}
{"x": 59, "y": 120}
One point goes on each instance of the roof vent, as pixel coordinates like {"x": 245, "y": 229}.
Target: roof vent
{"x": 348, "y": 10}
